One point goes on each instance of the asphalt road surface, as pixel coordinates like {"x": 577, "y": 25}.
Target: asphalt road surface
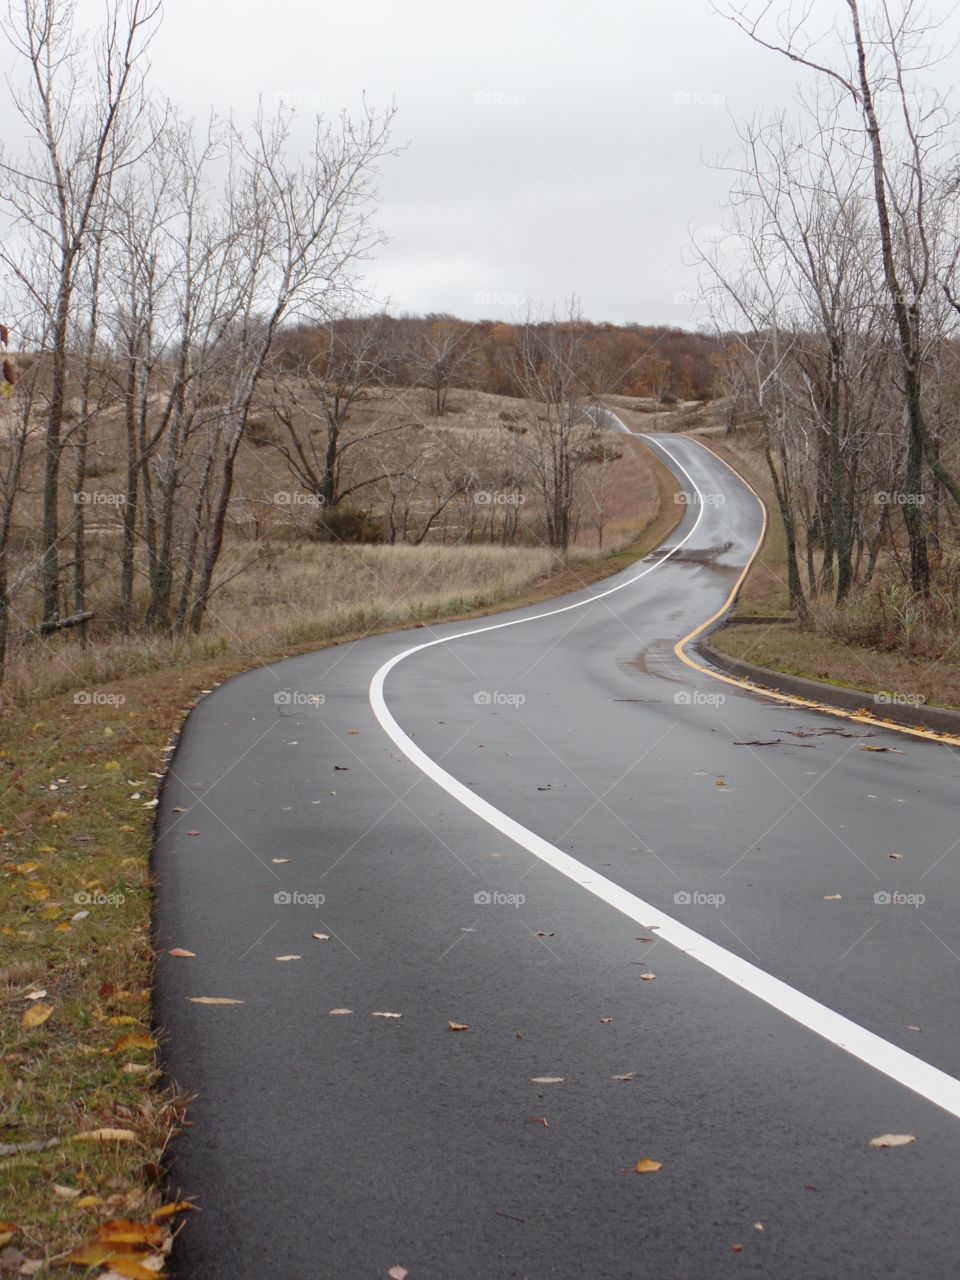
{"x": 545, "y": 827}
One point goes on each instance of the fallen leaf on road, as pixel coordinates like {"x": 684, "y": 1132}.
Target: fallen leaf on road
{"x": 624, "y": 1079}
{"x": 737, "y": 1248}
{"x": 213, "y": 1000}
{"x": 339, "y": 1013}
{"x": 647, "y": 977}
{"x": 895, "y": 856}
{"x": 284, "y": 959}
{"x": 539, "y": 1120}
{"x": 892, "y": 1140}
{"x": 606, "y": 1021}
{"x": 398, "y": 1273}
{"x": 279, "y": 861}
{"x": 381, "y": 1014}
{"x": 720, "y": 783}
{"x": 193, "y": 833}
{"x": 540, "y": 934}
{"x": 458, "y": 1026}
{"x": 35, "y": 1016}
{"x": 321, "y": 937}
{"x": 647, "y": 1166}
{"x": 832, "y": 897}
{"x": 181, "y": 954}
{"x": 547, "y": 1079}
{"x": 866, "y": 746}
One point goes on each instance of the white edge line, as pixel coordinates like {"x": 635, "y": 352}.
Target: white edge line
{"x": 913, "y": 1073}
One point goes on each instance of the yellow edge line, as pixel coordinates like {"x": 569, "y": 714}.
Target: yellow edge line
{"x": 680, "y": 647}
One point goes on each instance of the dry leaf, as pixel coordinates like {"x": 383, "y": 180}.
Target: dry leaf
{"x": 339, "y": 1013}
{"x": 321, "y": 937}
{"x": 35, "y": 1016}
{"x": 135, "y": 1040}
{"x": 168, "y": 1210}
{"x": 647, "y": 1166}
{"x": 213, "y": 1000}
{"x": 606, "y": 1021}
{"x": 398, "y": 1273}
{"x": 458, "y": 1026}
{"x": 386, "y": 1015}
{"x": 65, "y": 1193}
{"x": 832, "y": 897}
{"x": 647, "y": 977}
{"x": 142, "y": 1235}
{"x": 279, "y": 861}
{"x": 181, "y": 954}
{"x": 895, "y": 856}
{"x": 624, "y": 1079}
{"x": 284, "y": 959}
{"x": 539, "y": 1120}
{"x": 106, "y": 1135}
{"x": 892, "y": 1140}
{"x": 136, "y": 1069}
{"x": 547, "y": 1079}
{"x": 34, "y": 995}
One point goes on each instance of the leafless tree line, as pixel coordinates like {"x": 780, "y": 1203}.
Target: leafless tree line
{"x": 173, "y": 291}
{"x": 837, "y": 293}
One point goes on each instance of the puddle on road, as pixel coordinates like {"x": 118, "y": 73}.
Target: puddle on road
{"x": 707, "y": 556}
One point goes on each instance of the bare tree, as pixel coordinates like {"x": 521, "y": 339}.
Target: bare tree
{"x": 562, "y": 434}
{"x": 53, "y": 193}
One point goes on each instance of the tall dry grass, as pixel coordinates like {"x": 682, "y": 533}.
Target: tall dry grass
{"x": 308, "y": 594}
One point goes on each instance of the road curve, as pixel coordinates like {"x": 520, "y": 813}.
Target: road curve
{"x": 676, "y": 898}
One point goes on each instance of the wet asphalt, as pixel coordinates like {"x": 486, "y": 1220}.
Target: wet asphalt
{"x": 341, "y": 1145}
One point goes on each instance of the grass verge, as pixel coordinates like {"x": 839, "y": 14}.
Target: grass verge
{"x": 78, "y": 781}
{"x": 803, "y": 652}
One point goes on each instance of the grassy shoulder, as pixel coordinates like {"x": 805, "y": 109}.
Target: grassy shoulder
{"x": 813, "y": 654}
{"x": 86, "y": 1122}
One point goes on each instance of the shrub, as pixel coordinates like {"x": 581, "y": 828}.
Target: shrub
{"x": 346, "y": 524}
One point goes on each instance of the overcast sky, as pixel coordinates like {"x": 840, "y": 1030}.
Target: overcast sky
{"x": 553, "y": 148}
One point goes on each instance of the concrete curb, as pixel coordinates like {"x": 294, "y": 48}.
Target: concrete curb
{"x": 857, "y": 700}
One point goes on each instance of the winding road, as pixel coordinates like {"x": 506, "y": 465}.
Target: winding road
{"x": 724, "y": 929}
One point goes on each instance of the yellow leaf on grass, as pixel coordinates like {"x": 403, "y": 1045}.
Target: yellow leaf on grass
{"x": 5, "y": 1235}
{"x": 46, "y": 848}
{"x": 121, "y": 1020}
{"x": 132, "y": 1267}
{"x": 111, "y": 765}
{"x": 168, "y": 1210}
{"x": 143, "y": 1235}
{"x": 35, "y": 1016}
{"x": 135, "y": 1040}
{"x": 647, "y": 1166}
{"x": 87, "y": 1202}
{"x": 106, "y": 1135}
{"x": 120, "y": 1261}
